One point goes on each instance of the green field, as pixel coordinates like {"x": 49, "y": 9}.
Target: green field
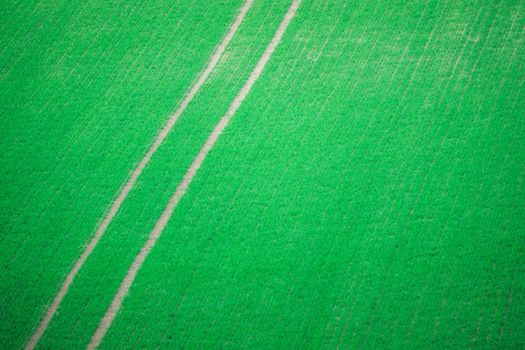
{"x": 368, "y": 193}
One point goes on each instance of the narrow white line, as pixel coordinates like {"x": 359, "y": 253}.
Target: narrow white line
{"x": 134, "y": 175}
{"x": 123, "y": 290}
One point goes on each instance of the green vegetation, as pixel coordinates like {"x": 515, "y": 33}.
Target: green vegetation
{"x": 367, "y": 194}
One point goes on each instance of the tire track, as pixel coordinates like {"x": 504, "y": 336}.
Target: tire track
{"x": 134, "y": 176}
{"x": 123, "y": 290}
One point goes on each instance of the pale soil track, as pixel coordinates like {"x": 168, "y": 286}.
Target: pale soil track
{"x": 33, "y": 341}
{"x": 123, "y": 290}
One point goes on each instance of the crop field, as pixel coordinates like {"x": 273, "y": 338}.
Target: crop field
{"x": 262, "y": 174}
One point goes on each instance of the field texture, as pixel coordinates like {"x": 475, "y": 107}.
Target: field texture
{"x": 367, "y": 192}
